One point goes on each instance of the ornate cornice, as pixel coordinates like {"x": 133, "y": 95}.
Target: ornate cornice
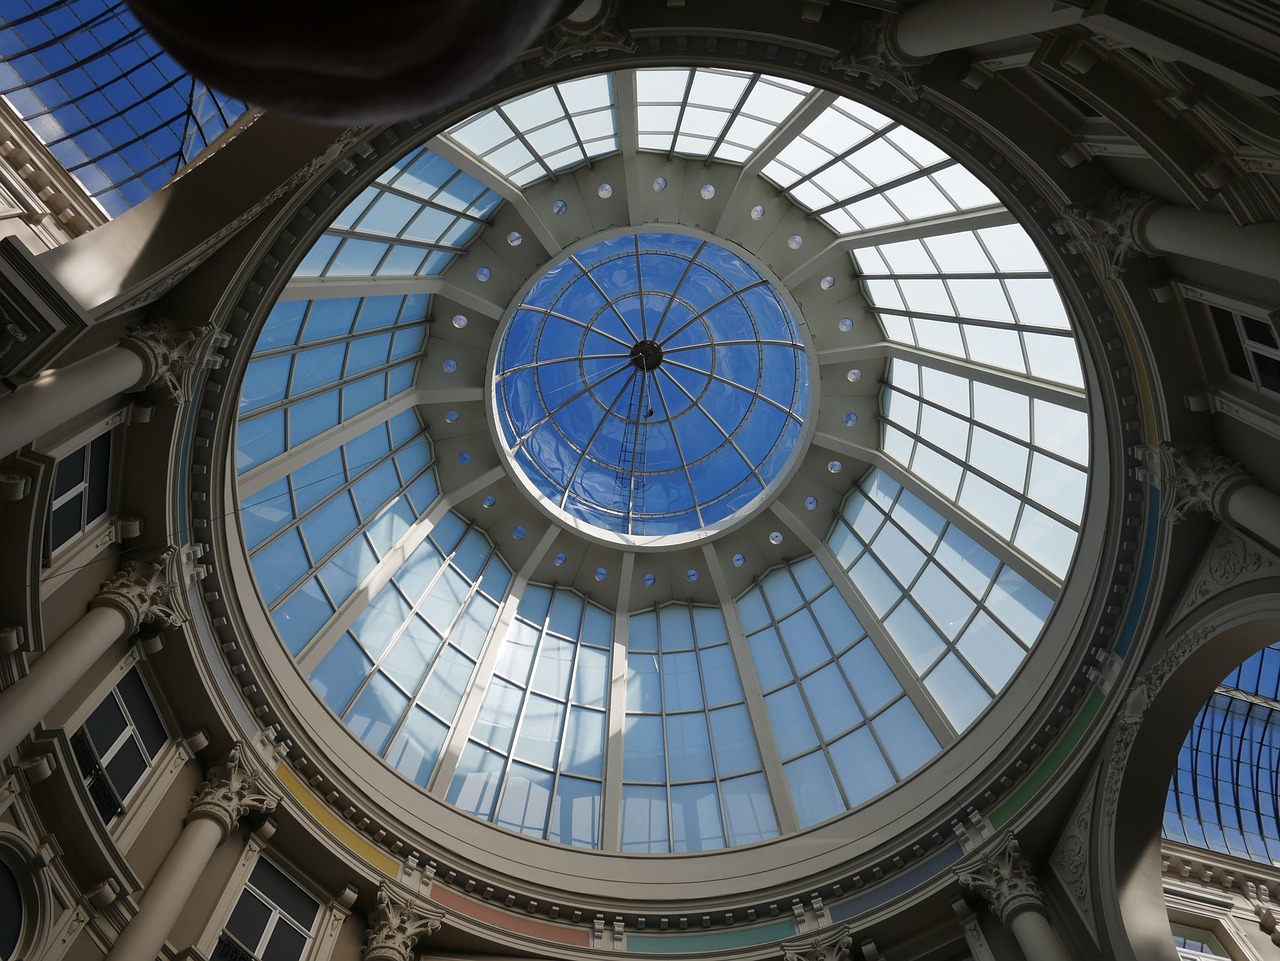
{"x": 396, "y": 925}
{"x": 231, "y": 790}
{"x": 144, "y": 592}
{"x": 1003, "y": 878}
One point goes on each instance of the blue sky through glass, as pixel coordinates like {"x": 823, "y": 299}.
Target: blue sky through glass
{"x": 651, "y": 384}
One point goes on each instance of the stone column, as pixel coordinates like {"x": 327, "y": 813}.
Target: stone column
{"x": 936, "y": 26}
{"x": 1204, "y": 480}
{"x": 1003, "y": 878}
{"x": 230, "y": 792}
{"x": 141, "y": 592}
{"x": 396, "y": 925}
{"x": 154, "y": 354}
{"x": 1122, "y": 223}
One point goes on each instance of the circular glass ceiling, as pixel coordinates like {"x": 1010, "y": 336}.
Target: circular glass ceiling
{"x": 651, "y": 385}
{"x": 647, "y": 386}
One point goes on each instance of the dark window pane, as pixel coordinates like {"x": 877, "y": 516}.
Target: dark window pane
{"x": 70, "y": 472}
{"x": 284, "y": 892}
{"x": 106, "y": 724}
{"x": 286, "y": 944}
{"x": 142, "y": 712}
{"x": 1268, "y": 372}
{"x": 99, "y": 475}
{"x": 10, "y": 911}
{"x": 249, "y": 920}
{"x": 1229, "y": 337}
{"x": 126, "y": 768}
{"x": 67, "y": 521}
{"x": 1259, "y": 331}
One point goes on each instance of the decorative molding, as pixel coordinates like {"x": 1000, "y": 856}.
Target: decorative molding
{"x": 1003, "y": 878}
{"x": 1232, "y": 558}
{"x": 605, "y": 30}
{"x": 229, "y": 792}
{"x": 1195, "y": 480}
{"x": 37, "y": 318}
{"x": 835, "y": 944}
{"x": 1070, "y": 859}
{"x": 1111, "y": 228}
{"x": 1142, "y": 692}
{"x": 143, "y": 592}
{"x": 874, "y": 55}
{"x": 396, "y": 925}
{"x": 169, "y": 353}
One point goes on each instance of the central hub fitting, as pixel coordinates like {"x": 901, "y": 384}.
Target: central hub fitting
{"x": 647, "y": 355}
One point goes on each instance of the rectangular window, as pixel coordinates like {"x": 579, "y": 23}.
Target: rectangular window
{"x": 117, "y": 744}
{"x": 1251, "y": 347}
{"x": 1197, "y": 944}
{"x": 272, "y": 921}
{"x": 80, "y": 494}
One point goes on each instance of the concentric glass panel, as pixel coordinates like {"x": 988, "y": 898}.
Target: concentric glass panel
{"x": 651, "y": 384}
{"x": 855, "y": 169}
{"x": 844, "y": 729}
{"x": 113, "y": 108}
{"x": 648, "y": 387}
{"x": 960, "y": 618}
{"x": 397, "y": 676}
{"x": 535, "y": 759}
{"x": 315, "y": 535}
{"x": 320, "y": 363}
{"x": 544, "y": 132}
{"x": 691, "y": 767}
{"x": 982, "y": 295}
{"x": 1014, "y": 463}
{"x": 413, "y": 220}
{"x": 1225, "y": 794}
{"x": 709, "y": 112}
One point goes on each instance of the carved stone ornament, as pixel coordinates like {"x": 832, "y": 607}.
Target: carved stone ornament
{"x": 396, "y": 926}
{"x": 144, "y": 592}
{"x": 600, "y": 29}
{"x": 873, "y": 54}
{"x": 1232, "y": 558}
{"x": 1141, "y": 693}
{"x": 835, "y": 944}
{"x": 169, "y": 353}
{"x": 1004, "y": 880}
{"x": 1198, "y": 480}
{"x": 230, "y": 791}
{"x": 1070, "y": 860}
{"x": 1111, "y": 227}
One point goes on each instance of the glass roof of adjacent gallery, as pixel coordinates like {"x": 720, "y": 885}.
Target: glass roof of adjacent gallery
{"x": 651, "y": 384}
{"x": 496, "y": 348}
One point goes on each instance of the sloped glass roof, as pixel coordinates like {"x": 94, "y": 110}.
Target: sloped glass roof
{"x": 904, "y": 420}
{"x": 113, "y": 108}
{"x": 651, "y": 384}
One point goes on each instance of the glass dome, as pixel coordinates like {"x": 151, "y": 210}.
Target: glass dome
{"x": 805, "y": 575}
{"x": 651, "y": 384}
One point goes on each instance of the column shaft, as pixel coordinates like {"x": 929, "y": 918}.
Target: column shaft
{"x": 1256, "y": 510}
{"x": 1214, "y": 238}
{"x": 26, "y": 702}
{"x": 53, "y": 399}
{"x": 936, "y": 26}
{"x": 168, "y": 892}
{"x": 1036, "y": 937}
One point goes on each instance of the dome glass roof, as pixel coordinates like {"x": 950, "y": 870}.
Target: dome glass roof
{"x": 651, "y": 384}
{"x": 664, "y": 461}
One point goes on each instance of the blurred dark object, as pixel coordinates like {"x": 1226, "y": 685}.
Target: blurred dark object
{"x": 375, "y": 61}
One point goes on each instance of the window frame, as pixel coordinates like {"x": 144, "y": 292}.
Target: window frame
{"x": 277, "y": 914}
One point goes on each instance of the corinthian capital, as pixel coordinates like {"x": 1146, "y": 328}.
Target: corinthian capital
{"x": 169, "y": 352}
{"x": 1197, "y": 480}
{"x": 143, "y": 592}
{"x": 1003, "y": 878}
{"x": 874, "y": 54}
{"x": 1113, "y": 227}
{"x": 397, "y": 925}
{"x": 230, "y": 791}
